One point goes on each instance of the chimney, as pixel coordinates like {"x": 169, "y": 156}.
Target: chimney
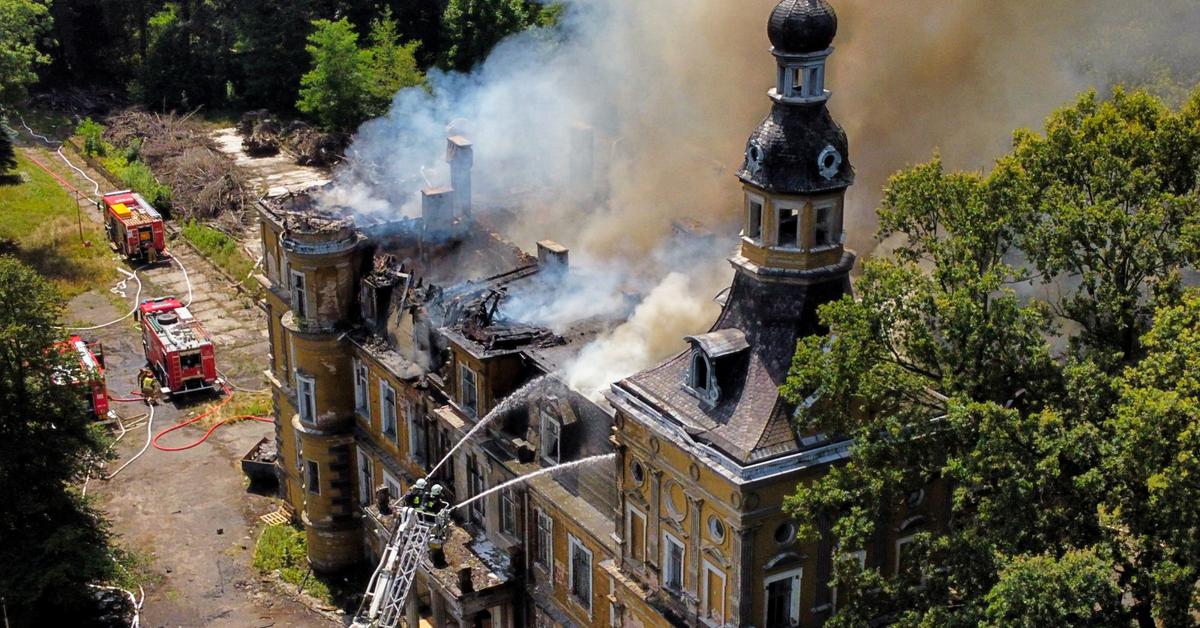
{"x": 552, "y": 256}
{"x": 437, "y": 208}
{"x": 461, "y": 157}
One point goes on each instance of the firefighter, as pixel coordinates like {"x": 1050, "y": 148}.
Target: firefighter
{"x": 436, "y": 503}
{"x": 148, "y": 385}
{"x": 417, "y": 496}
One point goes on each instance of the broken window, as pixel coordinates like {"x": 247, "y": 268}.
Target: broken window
{"x": 789, "y": 228}
{"x": 823, "y": 227}
{"x": 366, "y": 478}
{"x": 508, "y": 513}
{"x": 580, "y": 576}
{"x": 366, "y": 298}
{"x": 299, "y": 296}
{"x": 545, "y": 539}
{"x": 314, "y": 477}
{"x": 467, "y": 391}
{"x": 362, "y": 400}
{"x": 672, "y": 563}
{"x": 417, "y": 433}
{"x": 387, "y": 409}
{"x": 307, "y": 398}
{"x": 551, "y": 433}
{"x": 475, "y": 487}
{"x": 783, "y": 599}
{"x": 754, "y": 219}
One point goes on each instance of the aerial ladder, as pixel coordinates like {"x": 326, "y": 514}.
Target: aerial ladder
{"x": 415, "y": 532}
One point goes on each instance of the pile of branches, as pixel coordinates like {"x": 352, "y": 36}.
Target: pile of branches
{"x": 204, "y": 183}
{"x": 263, "y": 135}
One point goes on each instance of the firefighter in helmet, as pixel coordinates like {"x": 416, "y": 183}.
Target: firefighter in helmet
{"x": 436, "y": 502}
{"x": 417, "y": 496}
{"x": 148, "y": 385}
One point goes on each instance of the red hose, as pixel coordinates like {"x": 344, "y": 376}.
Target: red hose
{"x": 228, "y": 397}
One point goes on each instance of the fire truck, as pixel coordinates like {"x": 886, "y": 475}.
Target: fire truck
{"x": 134, "y": 227}
{"x": 177, "y": 348}
{"x": 91, "y": 369}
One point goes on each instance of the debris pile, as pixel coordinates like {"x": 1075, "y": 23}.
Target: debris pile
{"x": 263, "y": 135}
{"x": 260, "y": 133}
{"x": 204, "y": 184}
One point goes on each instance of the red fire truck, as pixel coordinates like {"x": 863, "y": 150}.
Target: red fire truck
{"x": 91, "y": 369}
{"x": 133, "y": 226}
{"x": 178, "y": 349}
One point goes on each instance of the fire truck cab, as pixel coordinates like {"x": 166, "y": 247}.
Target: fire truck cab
{"x": 91, "y": 369}
{"x": 179, "y": 351}
{"x": 133, "y": 226}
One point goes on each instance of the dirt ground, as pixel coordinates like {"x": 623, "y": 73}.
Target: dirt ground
{"x": 190, "y": 512}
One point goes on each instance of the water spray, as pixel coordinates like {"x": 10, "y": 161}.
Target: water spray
{"x": 530, "y": 476}
{"x": 503, "y": 407}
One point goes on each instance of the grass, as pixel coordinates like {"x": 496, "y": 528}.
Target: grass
{"x": 284, "y": 548}
{"x": 140, "y": 178}
{"x": 132, "y": 568}
{"x": 38, "y": 225}
{"x": 223, "y": 251}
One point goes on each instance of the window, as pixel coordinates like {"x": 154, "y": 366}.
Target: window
{"x": 314, "y": 477}
{"x": 306, "y": 395}
{"x": 637, "y": 472}
{"x": 716, "y": 529}
{"x": 672, "y": 563}
{"x": 798, "y": 82}
{"x": 635, "y": 530}
{"x": 299, "y": 295}
{"x": 714, "y": 593}
{"x": 508, "y": 513}
{"x": 366, "y": 478}
{"x": 906, "y": 563}
{"x": 614, "y": 615}
{"x": 299, "y": 454}
{"x": 393, "y": 485}
{"x": 475, "y": 486}
{"x": 789, "y": 228}
{"x": 580, "y": 574}
{"x": 387, "y": 409}
{"x": 551, "y": 434}
{"x": 366, "y": 297}
{"x": 417, "y": 436}
{"x": 859, "y": 557}
{"x": 467, "y": 392}
{"x": 362, "y": 399}
{"x": 783, "y": 599}
{"x": 814, "y": 87}
{"x": 823, "y": 227}
{"x": 754, "y": 219}
{"x": 545, "y": 539}
{"x": 699, "y": 371}
{"x": 785, "y": 533}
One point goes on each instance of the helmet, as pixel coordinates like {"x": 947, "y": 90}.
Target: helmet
{"x": 436, "y": 491}
{"x": 420, "y": 484}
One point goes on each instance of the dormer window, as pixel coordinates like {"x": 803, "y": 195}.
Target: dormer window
{"x": 699, "y": 378}
{"x": 709, "y": 352}
{"x": 551, "y": 437}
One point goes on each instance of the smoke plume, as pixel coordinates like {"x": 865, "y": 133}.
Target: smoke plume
{"x": 672, "y": 88}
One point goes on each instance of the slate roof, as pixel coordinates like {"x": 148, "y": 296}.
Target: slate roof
{"x": 750, "y": 422}
{"x": 802, "y": 26}
{"x": 790, "y": 140}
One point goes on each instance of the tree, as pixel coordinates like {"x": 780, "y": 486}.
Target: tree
{"x": 1070, "y": 478}
{"x": 22, "y": 23}
{"x": 47, "y": 443}
{"x": 391, "y": 66}
{"x": 186, "y": 63}
{"x": 1115, "y": 187}
{"x": 334, "y": 89}
{"x": 473, "y": 27}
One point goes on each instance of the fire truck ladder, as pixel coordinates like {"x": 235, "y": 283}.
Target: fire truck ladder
{"x": 383, "y": 605}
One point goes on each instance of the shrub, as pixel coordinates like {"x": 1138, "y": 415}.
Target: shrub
{"x": 92, "y": 133}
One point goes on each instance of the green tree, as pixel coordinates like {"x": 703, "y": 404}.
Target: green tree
{"x": 1077, "y": 590}
{"x": 47, "y": 443}
{"x": 1115, "y": 187}
{"x": 390, "y": 66}
{"x": 22, "y": 23}
{"x": 334, "y": 90}
{"x": 187, "y": 61}
{"x": 473, "y": 27}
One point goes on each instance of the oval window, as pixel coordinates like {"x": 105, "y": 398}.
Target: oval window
{"x": 785, "y": 533}
{"x": 637, "y": 472}
{"x": 716, "y": 529}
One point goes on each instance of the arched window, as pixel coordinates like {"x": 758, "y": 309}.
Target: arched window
{"x": 699, "y": 379}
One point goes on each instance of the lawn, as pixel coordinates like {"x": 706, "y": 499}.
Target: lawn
{"x": 38, "y": 225}
{"x": 223, "y": 251}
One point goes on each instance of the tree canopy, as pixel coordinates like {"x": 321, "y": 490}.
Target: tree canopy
{"x": 47, "y": 443}
{"x": 1066, "y": 470}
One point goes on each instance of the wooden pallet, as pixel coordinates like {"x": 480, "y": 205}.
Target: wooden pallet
{"x": 278, "y": 517}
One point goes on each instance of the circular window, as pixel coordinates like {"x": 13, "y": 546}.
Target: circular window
{"x": 916, "y": 497}
{"x": 785, "y": 533}
{"x": 637, "y": 472}
{"x": 676, "y": 501}
{"x": 716, "y": 529}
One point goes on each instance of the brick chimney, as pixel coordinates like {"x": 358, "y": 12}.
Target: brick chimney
{"x": 437, "y": 208}
{"x": 461, "y": 157}
{"x": 553, "y": 256}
